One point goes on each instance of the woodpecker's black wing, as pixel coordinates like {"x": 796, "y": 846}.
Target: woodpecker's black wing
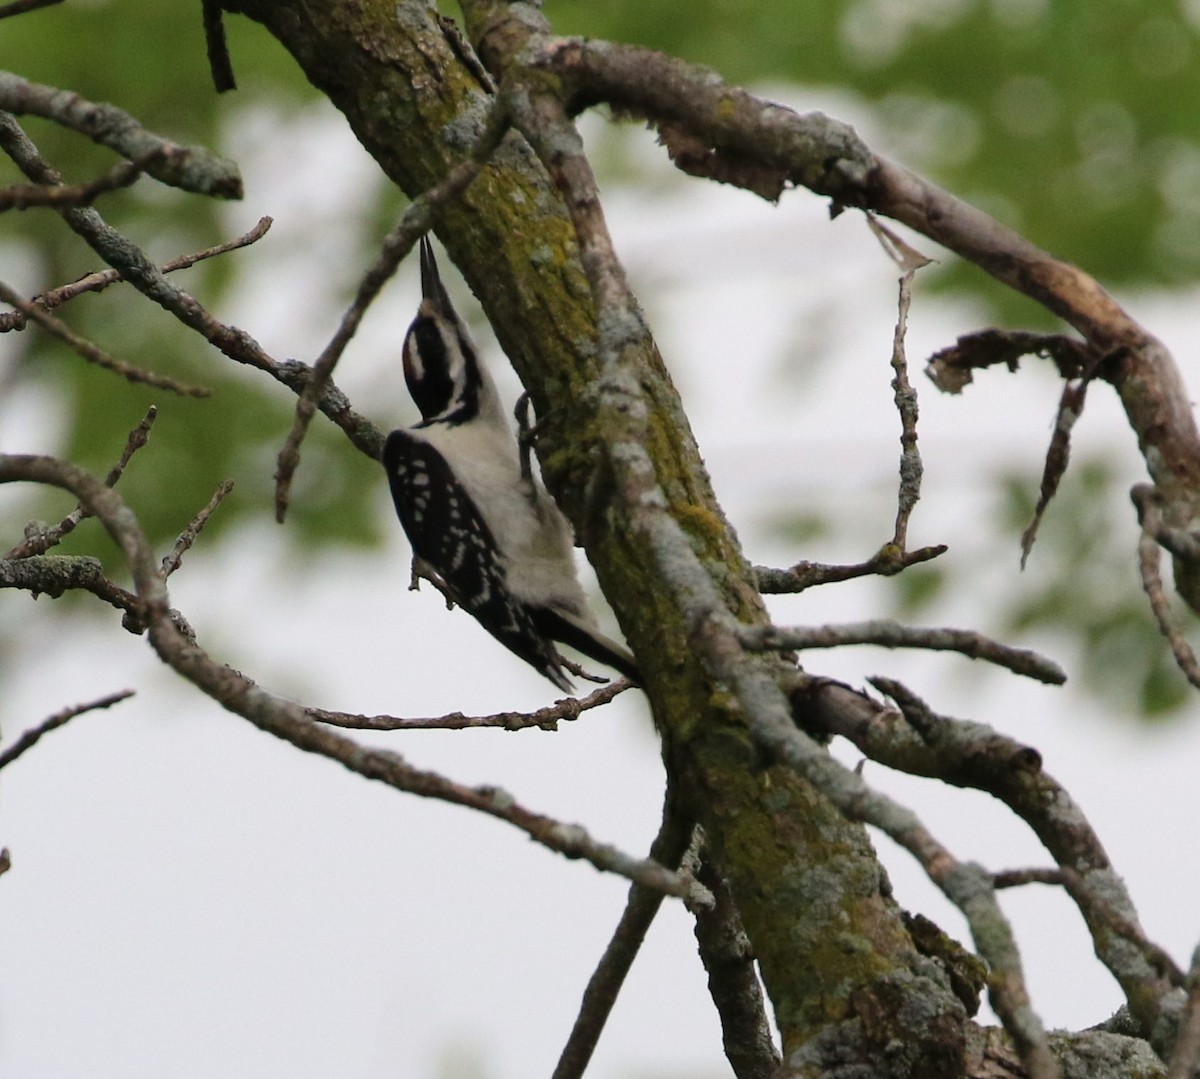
{"x": 447, "y": 530}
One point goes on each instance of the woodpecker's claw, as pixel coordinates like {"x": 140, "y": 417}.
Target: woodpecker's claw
{"x": 526, "y": 435}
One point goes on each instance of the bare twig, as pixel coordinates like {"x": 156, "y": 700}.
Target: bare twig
{"x": 413, "y": 224}
{"x": 567, "y": 709}
{"x": 606, "y": 981}
{"x": 19, "y": 7}
{"x": 39, "y": 540}
{"x": 191, "y": 168}
{"x": 1070, "y": 408}
{"x": 93, "y": 353}
{"x": 288, "y": 721}
{"x": 887, "y": 562}
{"x": 23, "y": 196}
{"x": 910, "y": 261}
{"x": 888, "y": 634}
{"x": 187, "y": 537}
{"x": 95, "y": 282}
{"x": 1145, "y": 498}
{"x": 30, "y": 737}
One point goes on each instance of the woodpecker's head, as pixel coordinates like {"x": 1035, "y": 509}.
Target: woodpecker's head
{"x": 440, "y": 364}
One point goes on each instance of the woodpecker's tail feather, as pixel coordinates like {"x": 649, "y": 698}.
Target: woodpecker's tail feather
{"x": 570, "y": 629}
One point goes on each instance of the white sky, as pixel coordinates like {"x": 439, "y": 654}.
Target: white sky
{"x": 192, "y": 898}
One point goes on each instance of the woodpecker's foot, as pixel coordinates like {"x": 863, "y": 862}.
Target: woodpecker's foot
{"x": 579, "y": 672}
{"x": 526, "y": 435}
{"x": 423, "y": 571}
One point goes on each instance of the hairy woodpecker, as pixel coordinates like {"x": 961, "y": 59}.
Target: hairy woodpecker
{"x": 473, "y": 512}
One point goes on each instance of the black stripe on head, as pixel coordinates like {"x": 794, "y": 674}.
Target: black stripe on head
{"x": 427, "y": 367}
{"x": 442, "y": 375}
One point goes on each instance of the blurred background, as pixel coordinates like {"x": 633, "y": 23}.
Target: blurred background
{"x": 189, "y": 897}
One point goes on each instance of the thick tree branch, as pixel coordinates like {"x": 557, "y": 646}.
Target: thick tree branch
{"x": 733, "y": 981}
{"x": 191, "y": 168}
{"x": 972, "y": 755}
{"x": 52, "y": 575}
{"x": 685, "y": 578}
{"x": 1185, "y": 1057}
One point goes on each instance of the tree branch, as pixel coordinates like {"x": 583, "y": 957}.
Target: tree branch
{"x": 732, "y": 980}
{"x": 39, "y": 540}
{"x": 888, "y": 634}
{"x": 910, "y": 261}
{"x": 1185, "y": 1056}
{"x": 218, "y": 49}
{"x": 972, "y": 755}
{"x": 288, "y": 721}
{"x": 683, "y": 580}
{"x": 1148, "y": 503}
{"x": 751, "y": 135}
{"x": 606, "y": 981}
{"x": 548, "y": 718}
{"x": 187, "y": 537}
{"x": 190, "y": 168}
{"x": 95, "y": 282}
{"x": 52, "y": 575}
{"x": 31, "y": 737}
{"x": 94, "y": 353}
{"x": 23, "y": 196}
{"x": 19, "y": 7}
{"x": 886, "y": 562}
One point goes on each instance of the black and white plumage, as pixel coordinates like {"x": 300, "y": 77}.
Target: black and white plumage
{"x": 481, "y": 521}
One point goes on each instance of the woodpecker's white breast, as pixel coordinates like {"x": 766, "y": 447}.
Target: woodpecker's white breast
{"x": 530, "y": 532}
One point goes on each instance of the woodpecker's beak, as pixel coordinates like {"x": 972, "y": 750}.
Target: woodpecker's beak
{"x": 432, "y": 289}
